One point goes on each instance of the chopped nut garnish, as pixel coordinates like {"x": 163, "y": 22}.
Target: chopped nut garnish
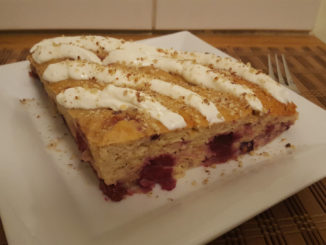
{"x": 139, "y": 97}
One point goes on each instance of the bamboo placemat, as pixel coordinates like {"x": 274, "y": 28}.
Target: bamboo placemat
{"x": 300, "y": 219}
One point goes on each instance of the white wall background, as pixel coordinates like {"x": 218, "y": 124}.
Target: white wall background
{"x": 236, "y": 14}
{"x": 320, "y": 26}
{"x": 75, "y": 14}
{"x": 158, "y": 14}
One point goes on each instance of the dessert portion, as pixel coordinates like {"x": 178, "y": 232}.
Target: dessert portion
{"x": 142, "y": 115}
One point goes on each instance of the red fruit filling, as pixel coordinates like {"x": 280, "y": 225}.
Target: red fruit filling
{"x": 222, "y": 148}
{"x": 158, "y": 170}
{"x": 271, "y": 132}
{"x": 114, "y": 192}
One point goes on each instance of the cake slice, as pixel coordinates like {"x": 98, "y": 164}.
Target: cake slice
{"x": 142, "y": 115}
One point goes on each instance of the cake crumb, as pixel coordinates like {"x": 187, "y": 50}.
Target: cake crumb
{"x": 251, "y": 153}
{"x": 70, "y": 165}
{"x": 52, "y": 144}
{"x": 289, "y": 146}
{"x": 222, "y": 174}
{"x": 24, "y": 101}
{"x": 205, "y": 181}
{"x": 283, "y": 139}
{"x": 240, "y": 164}
{"x": 170, "y": 199}
{"x": 194, "y": 183}
{"x": 207, "y": 171}
{"x": 264, "y": 154}
{"x": 38, "y": 116}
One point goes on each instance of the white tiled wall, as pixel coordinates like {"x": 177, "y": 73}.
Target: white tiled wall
{"x": 158, "y": 14}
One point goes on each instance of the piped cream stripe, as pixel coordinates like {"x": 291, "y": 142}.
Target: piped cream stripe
{"x": 85, "y": 71}
{"x": 241, "y": 70}
{"x": 206, "y": 108}
{"x": 93, "y": 43}
{"x": 192, "y": 73}
{"x": 48, "y": 53}
{"x": 118, "y": 98}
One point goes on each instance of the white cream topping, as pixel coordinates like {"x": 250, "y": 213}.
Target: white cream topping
{"x": 135, "y": 53}
{"x": 76, "y": 70}
{"x": 206, "y": 108}
{"x": 118, "y": 98}
{"x": 93, "y": 43}
{"x": 241, "y": 70}
{"x": 46, "y": 53}
{"x": 85, "y": 71}
{"x": 192, "y": 73}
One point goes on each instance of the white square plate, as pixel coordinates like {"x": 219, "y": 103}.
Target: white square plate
{"x": 47, "y": 196}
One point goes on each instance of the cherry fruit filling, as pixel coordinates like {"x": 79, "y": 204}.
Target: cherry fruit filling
{"x": 158, "y": 170}
{"x": 114, "y": 192}
{"x": 222, "y": 147}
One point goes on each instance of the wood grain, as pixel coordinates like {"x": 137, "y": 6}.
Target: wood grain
{"x": 300, "y": 219}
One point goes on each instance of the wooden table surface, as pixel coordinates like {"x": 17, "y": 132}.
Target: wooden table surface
{"x": 300, "y": 219}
